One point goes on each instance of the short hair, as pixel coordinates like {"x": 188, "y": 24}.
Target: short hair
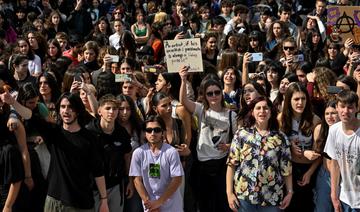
{"x": 349, "y": 81}
{"x": 155, "y": 118}
{"x": 285, "y": 8}
{"x": 62, "y": 35}
{"x": 240, "y": 8}
{"x": 107, "y": 98}
{"x": 347, "y": 97}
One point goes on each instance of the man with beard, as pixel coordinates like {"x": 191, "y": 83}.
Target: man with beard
{"x": 75, "y": 161}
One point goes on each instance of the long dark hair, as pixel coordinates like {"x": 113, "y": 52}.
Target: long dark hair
{"x": 306, "y": 121}
{"x": 30, "y": 54}
{"x": 51, "y": 80}
{"x": 174, "y": 80}
{"x": 324, "y": 130}
{"x": 249, "y": 119}
{"x": 134, "y": 119}
{"x": 76, "y": 105}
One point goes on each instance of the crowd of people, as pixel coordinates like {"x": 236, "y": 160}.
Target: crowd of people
{"x": 90, "y": 119}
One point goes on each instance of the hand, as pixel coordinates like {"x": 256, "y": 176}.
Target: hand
{"x": 223, "y": 147}
{"x": 336, "y": 203}
{"x": 310, "y": 77}
{"x": 183, "y": 149}
{"x": 289, "y": 60}
{"x": 84, "y": 87}
{"x": 184, "y": 73}
{"x": 12, "y": 124}
{"x": 78, "y": 4}
{"x": 180, "y": 35}
{"x": 313, "y": 17}
{"x": 233, "y": 202}
{"x": 286, "y": 201}
{"x": 151, "y": 205}
{"x": 37, "y": 139}
{"x": 29, "y": 182}
{"x": 107, "y": 59}
{"x": 311, "y": 154}
{"x": 129, "y": 190}
{"x": 348, "y": 43}
{"x": 246, "y": 58}
{"x": 103, "y": 206}
{"x": 354, "y": 57}
{"x": 75, "y": 86}
{"x": 305, "y": 179}
{"x": 6, "y": 96}
{"x": 295, "y": 149}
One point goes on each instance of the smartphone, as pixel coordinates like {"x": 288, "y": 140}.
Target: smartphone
{"x": 122, "y": 78}
{"x": 151, "y": 69}
{"x": 77, "y": 77}
{"x": 115, "y": 58}
{"x": 333, "y": 90}
{"x": 256, "y": 57}
{"x": 298, "y": 58}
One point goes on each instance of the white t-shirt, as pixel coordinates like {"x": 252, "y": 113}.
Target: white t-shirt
{"x": 114, "y": 41}
{"x": 214, "y": 129}
{"x": 346, "y": 150}
{"x": 170, "y": 166}
{"x": 34, "y": 66}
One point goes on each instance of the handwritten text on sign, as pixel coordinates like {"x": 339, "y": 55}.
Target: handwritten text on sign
{"x": 183, "y": 52}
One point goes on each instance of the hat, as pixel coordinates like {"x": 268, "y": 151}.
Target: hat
{"x": 254, "y": 34}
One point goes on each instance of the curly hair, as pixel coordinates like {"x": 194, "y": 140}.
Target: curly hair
{"x": 324, "y": 78}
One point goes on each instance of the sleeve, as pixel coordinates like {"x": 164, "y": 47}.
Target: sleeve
{"x": 176, "y": 168}
{"x": 330, "y": 144}
{"x": 227, "y": 28}
{"x": 235, "y": 149}
{"x": 37, "y": 62}
{"x": 233, "y": 122}
{"x": 13, "y": 165}
{"x": 135, "y": 165}
{"x": 96, "y": 159}
{"x": 322, "y": 29}
{"x": 285, "y": 156}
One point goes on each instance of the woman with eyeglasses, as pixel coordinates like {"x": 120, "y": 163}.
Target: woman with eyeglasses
{"x": 298, "y": 121}
{"x": 259, "y": 163}
{"x": 157, "y": 169}
{"x": 216, "y": 124}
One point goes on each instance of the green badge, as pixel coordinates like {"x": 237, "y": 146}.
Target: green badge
{"x": 154, "y": 170}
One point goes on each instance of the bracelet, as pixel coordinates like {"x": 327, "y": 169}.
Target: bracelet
{"x": 290, "y": 191}
{"x": 101, "y": 198}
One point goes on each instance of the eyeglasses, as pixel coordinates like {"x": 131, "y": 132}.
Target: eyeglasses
{"x": 291, "y": 48}
{"x": 213, "y": 93}
{"x": 155, "y": 130}
{"x": 168, "y": 23}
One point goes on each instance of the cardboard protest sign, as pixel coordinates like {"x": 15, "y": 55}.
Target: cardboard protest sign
{"x": 183, "y": 52}
{"x": 343, "y": 21}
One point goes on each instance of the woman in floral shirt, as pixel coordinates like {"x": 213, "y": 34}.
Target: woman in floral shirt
{"x": 259, "y": 162}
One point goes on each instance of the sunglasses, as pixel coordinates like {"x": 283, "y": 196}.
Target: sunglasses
{"x": 291, "y": 48}
{"x": 155, "y": 130}
{"x": 213, "y": 93}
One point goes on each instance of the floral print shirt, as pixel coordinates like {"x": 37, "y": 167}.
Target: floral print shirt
{"x": 260, "y": 162}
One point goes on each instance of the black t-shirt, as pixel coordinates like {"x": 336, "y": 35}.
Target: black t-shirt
{"x": 74, "y": 163}
{"x": 11, "y": 165}
{"x": 112, "y": 147}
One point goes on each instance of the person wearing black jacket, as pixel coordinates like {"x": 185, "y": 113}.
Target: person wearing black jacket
{"x": 79, "y": 21}
{"x": 114, "y": 146}
{"x": 75, "y": 161}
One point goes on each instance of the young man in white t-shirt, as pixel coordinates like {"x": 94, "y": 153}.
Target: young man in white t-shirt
{"x": 343, "y": 146}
